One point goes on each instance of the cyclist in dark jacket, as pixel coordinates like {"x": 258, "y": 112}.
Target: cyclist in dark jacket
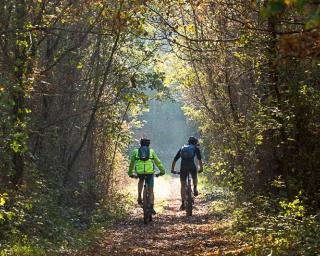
{"x": 187, "y": 154}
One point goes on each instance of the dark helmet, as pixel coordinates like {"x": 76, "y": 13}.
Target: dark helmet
{"x": 145, "y": 142}
{"x": 193, "y": 140}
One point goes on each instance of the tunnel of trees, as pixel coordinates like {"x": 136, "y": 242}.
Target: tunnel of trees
{"x": 76, "y": 75}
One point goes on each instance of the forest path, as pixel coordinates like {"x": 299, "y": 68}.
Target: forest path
{"x": 171, "y": 232}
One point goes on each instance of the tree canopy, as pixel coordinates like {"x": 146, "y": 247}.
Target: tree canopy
{"x": 75, "y": 75}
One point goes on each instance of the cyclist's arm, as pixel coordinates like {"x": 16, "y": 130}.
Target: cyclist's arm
{"x": 201, "y": 166}
{"x": 176, "y": 158}
{"x": 158, "y": 163}
{"x": 132, "y": 162}
{"x": 199, "y": 157}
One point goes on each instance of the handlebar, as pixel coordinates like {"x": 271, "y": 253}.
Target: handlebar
{"x": 174, "y": 172}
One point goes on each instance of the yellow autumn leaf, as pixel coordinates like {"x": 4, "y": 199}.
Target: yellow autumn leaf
{"x": 2, "y": 201}
{"x": 289, "y": 2}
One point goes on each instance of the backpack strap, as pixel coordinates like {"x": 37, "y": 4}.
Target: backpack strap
{"x": 151, "y": 154}
{"x": 137, "y": 154}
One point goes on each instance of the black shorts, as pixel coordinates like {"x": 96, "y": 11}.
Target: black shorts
{"x": 149, "y": 179}
{"x": 184, "y": 174}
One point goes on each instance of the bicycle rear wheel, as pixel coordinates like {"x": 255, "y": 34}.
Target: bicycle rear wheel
{"x": 189, "y": 203}
{"x": 146, "y": 210}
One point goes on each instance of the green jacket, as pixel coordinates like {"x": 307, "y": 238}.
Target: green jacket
{"x": 144, "y": 167}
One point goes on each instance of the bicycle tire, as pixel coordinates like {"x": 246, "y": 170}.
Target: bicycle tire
{"x": 145, "y": 207}
{"x": 189, "y": 204}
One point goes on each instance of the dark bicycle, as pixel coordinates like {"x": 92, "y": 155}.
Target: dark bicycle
{"x": 146, "y": 206}
{"x": 189, "y": 195}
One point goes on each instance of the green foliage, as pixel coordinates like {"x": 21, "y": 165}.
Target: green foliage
{"x": 274, "y": 7}
{"x": 284, "y": 232}
{"x": 70, "y": 73}
{"x": 41, "y": 226}
{"x": 308, "y": 7}
{"x": 250, "y": 83}
{"x": 23, "y": 250}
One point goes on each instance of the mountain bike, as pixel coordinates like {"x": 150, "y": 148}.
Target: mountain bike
{"x": 146, "y": 206}
{"x": 189, "y": 195}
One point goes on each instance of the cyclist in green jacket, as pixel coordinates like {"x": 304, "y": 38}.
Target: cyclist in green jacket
{"x": 142, "y": 163}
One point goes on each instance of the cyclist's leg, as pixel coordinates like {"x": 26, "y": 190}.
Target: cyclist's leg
{"x": 183, "y": 181}
{"x": 194, "y": 175}
{"x": 140, "y": 187}
{"x": 150, "y": 182}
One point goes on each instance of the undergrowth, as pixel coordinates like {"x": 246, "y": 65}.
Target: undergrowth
{"x": 269, "y": 226}
{"x": 44, "y": 228}
{"x": 277, "y": 228}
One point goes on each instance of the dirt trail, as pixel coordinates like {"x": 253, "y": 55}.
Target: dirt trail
{"x": 171, "y": 232}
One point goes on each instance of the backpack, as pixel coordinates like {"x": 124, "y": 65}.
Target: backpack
{"x": 188, "y": 152}
{"x": 144, "y": 153}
